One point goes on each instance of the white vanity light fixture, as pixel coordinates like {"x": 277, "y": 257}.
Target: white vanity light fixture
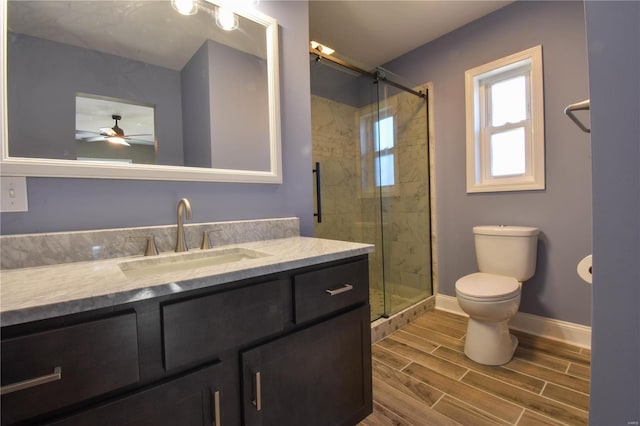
{"x": 226, "y": 19}
{"x": 185, "y": 7}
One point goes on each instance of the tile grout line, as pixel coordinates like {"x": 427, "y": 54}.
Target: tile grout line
{"x": 519, "y": 404}
{"x": 399, "y": 415}
{"x": 440, "y": 399}
{"x": 545, "y": 380}
{"x": 487, "y": 413}
{"x": 543, "y": 387}
{"x": 465, "y": 373}
{"x": 399, "y": 370}
{"x": 520, "y": 416}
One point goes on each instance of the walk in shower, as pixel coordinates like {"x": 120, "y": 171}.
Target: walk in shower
{"x": 371, "y": 162}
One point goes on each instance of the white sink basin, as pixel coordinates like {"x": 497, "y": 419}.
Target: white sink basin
{"x": 186, "y": 261}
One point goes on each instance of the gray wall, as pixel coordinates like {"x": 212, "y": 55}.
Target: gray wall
{"x": 563, "y": 210}
{"x": 44, "y": 78}
{"x": 333, "y": 82}
{"x": 220, "y": 87}
{"x": 613, "y": 33}
{"x": 74, "y": 204}
{"x": 238, "y": 83}
{"x": 196, "y": 109}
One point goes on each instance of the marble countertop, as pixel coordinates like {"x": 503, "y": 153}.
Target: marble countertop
{"x": 42, "y": 292}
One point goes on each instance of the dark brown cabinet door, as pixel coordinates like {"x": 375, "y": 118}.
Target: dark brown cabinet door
{"x": 195, "y": 399}
{"x": 318, "y": 376}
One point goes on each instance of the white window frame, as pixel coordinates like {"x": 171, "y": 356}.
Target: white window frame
{"x": 369, "y": 154}
{"x": 479, "y": 130}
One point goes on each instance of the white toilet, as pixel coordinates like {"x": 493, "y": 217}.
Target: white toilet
{"x": 506, "y": 257}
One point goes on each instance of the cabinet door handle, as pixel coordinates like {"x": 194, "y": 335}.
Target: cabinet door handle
{"x": 344, "y": 288}
{"x": 216, "y": 409}
{"x": 257, "y": 389}
{"x": 30, "y": 383}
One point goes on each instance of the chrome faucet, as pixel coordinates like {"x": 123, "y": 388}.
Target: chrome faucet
{"x": 181, "y": 241}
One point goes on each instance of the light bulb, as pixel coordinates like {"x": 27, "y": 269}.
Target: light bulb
{"x": 226, "y": 19}
{"x": 185, "y": 7}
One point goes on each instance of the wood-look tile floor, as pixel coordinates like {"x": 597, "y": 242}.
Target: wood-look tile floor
{"x": 422, "y": 377}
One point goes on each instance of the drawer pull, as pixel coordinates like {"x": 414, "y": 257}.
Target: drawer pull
{"x": 216, "y": 408}
{"x": 30, "y": 383}
{"x": 257, "y": 389}
{"x": 344, "y": 288}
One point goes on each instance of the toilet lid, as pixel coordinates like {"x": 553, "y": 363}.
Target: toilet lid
{"x": 487, "y": 287}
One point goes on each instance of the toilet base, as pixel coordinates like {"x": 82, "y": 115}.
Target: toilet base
{"x": 489, "y": 343}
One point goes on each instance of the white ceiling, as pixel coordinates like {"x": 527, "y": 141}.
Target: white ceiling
{"x": 149, "y": 31}
{"x": 371, "y": 33}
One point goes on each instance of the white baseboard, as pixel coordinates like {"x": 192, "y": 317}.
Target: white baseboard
{"x": 574, "y": 334}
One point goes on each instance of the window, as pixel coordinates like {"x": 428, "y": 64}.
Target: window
{"x": 378, "y": 150}
{"x": 505, "y": 124}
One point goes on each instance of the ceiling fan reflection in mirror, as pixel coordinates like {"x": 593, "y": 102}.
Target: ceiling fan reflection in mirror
{"x": 114, "y": 135}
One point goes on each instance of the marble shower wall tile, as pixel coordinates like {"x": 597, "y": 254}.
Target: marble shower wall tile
{"x": 335, "y": 133}
{"x": 29, "y": 250}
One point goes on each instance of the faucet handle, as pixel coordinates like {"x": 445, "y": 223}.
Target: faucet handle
{"x": 206, "y": 241}
{"x": 152, "y": 248}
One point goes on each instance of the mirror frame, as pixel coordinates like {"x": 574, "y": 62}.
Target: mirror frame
{"x": 42, "y": 167}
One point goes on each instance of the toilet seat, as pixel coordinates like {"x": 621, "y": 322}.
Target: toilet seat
{"x": 482, "y": 287}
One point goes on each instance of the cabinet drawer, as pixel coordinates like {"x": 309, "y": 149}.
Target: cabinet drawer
{"x": 91, "y": 358}
{"x": 200, "y": 329}
{"x": 327, "y": 290}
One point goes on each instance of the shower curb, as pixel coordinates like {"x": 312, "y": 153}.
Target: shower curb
{"x": 383, "y": 327}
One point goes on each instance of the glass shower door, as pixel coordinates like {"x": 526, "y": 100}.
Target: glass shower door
{"x": 402, "y": 176}
{"x": 371, "y": 143}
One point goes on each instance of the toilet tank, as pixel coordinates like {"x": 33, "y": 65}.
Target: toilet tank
{"x": 507, "y": 250}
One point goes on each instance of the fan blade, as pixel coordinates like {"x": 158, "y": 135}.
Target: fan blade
{"x": 95, "y": 139}
{"x": 140, "y": 141}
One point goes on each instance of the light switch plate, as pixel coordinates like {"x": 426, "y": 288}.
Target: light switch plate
{"x": 14, "y": 194}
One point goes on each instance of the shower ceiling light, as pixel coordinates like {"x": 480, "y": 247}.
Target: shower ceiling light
{"x": 321, "y": 48}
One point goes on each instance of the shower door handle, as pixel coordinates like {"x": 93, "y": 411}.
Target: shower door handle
{"x": 318, "y": 193}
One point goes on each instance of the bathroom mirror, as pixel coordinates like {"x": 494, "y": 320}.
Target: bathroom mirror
{"x": 137, "y": 90}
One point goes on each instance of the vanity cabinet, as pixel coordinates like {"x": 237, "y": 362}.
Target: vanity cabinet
{"x": 289, "y": 348}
